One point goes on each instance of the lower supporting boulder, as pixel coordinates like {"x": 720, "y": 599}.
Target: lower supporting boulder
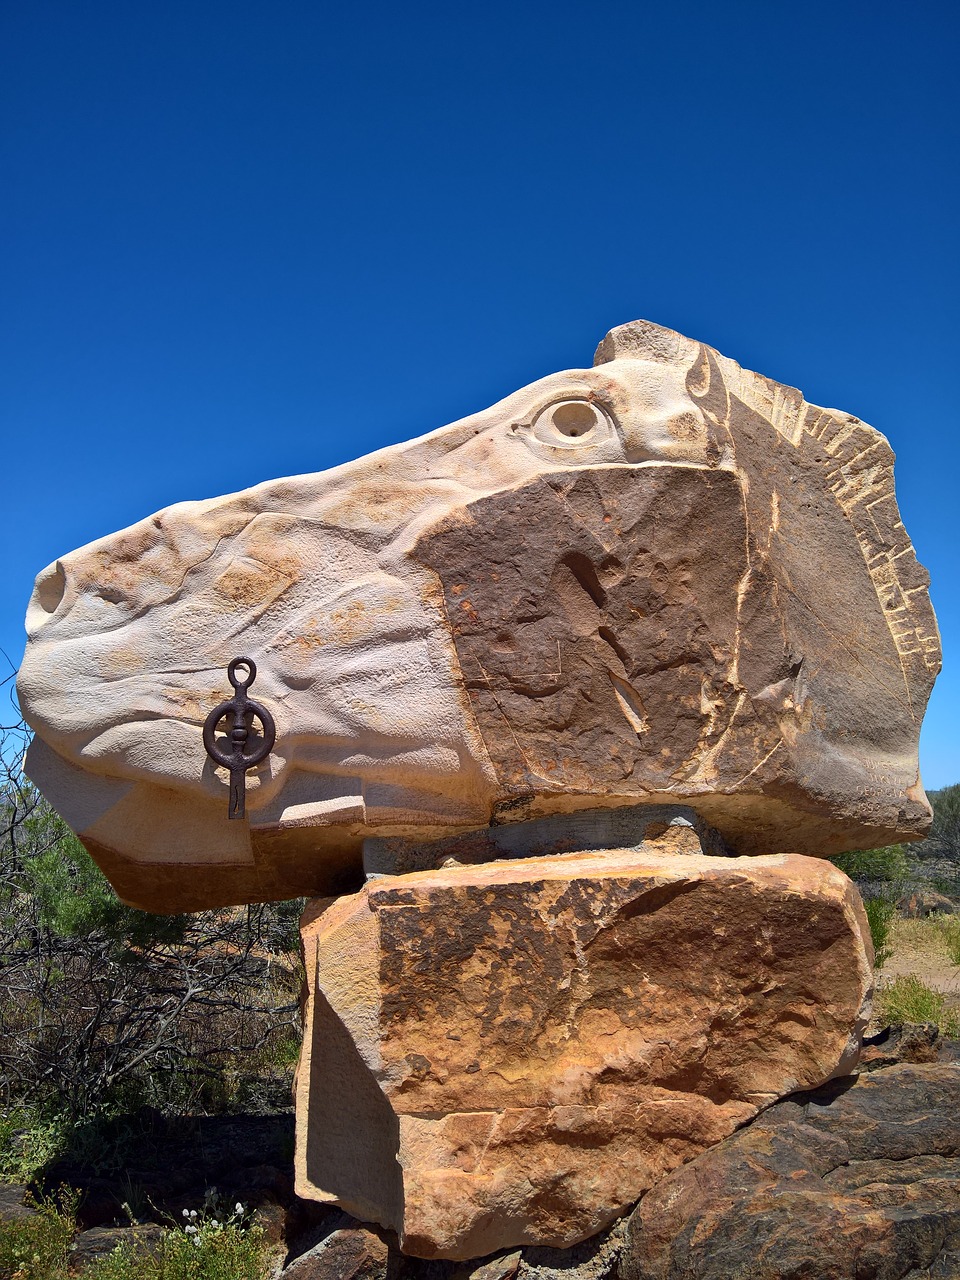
{"x": 513, "y": 1053}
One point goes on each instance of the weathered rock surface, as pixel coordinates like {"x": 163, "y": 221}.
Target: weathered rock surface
{"x": 96, "y": 1243}
{"x": 859, "y": 1180}
{"x": 665, "y": 828}
{"x": 664, "y": 579}
{"x": 349, "y": 1253}
{"x": 14, "y": 1202}
{"x": 514, "y": 1052}
{"x": 916, "y": 1042}
{"x": 918, "y": 904}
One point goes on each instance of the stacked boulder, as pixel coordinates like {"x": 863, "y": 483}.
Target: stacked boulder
{"x": 514, "y": 1052}
{"x": 572, "y": 699}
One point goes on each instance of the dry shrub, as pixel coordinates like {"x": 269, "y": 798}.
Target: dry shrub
{"x": 103, "y": 1007}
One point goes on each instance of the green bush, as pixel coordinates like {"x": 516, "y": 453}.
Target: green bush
{"x": 880, "y": 913}
{"x": 35, "y": 1248}
{"x": 28, "y": 1141}
{"x": 949, "y": 929}
{"x": 889, "y": 864}
{"x": 209, "y": 1245}
{"x": 907, "y": 999}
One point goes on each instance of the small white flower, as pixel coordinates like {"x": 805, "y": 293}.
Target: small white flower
{"x": 238, "y": 1207}
{"x": 196, "y": 1241}
{"x": 191, "y": 1230}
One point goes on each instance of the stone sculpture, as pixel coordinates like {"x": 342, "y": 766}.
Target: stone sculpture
{"x": 580, "y": 684}
{"x": 664, "y": 579}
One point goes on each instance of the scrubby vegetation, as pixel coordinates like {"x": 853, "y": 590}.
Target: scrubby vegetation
{"x": 35, "y": 1248}
{"x": 909, "y": 999}
{"x": 943, "y": 841}
{"x": 918, "y": 958}
{"x": 880, "y": 913}
{"x": 110, "y": 1017}
{"x": 888, "y": 865}
{"x": 209, "y": 1244}
{"x": 105, "y": 1008}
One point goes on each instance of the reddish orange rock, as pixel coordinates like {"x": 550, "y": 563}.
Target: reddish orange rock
{"x": 513, "y": 1053}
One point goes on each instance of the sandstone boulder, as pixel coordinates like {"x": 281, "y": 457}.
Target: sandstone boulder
{"x": 660, "y": 580}
{"x": 513, "y": 1052}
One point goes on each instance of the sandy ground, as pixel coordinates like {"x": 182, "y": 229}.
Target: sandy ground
{"x": 920, "y": 948}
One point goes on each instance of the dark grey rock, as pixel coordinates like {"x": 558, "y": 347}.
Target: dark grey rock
{"x": 349, "y": 1253}
{"x": 12, "y": 1206}
{"x": 100, "y": 1242}
{"x": 858, "y": 1179}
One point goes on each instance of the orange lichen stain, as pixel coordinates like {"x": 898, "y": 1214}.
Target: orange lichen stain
{"x": 469, "y": 610}
{"x": 131, "y": 568}
{"x": 246, "y": 585}
{"x": 359, "y": 619}
{"x": 457, "y": 589}
{"x": 307, "y": 640}
{"x": 195, "y": 706}
{"x": 382, "y": 505}
{"x": 607, "y": 519}
{"x": 261, "y": 543}
{"x": 352, "y": 622}
{"x": 121, "y": 662}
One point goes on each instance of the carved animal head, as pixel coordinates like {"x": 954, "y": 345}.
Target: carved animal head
{"x": 662, "y": 579}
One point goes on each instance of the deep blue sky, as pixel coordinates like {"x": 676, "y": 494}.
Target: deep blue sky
{"x": 243, "y": 240}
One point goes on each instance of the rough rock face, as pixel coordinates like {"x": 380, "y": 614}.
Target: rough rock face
{"x": 851, "y": 1182}
{"x": 664, "y": 828}
{"x": 514, "y": 1052}
{"x": 663, "y": 579}
{"x": 345, "y": 1254}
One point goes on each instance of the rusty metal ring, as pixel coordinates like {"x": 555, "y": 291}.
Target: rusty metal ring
{"x": 237, "y": 683}
{"x": 242, "y": 711}
{"x": 267, "y": 738}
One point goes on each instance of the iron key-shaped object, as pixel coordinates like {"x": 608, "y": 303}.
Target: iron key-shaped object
{"x": 242, "y": 711}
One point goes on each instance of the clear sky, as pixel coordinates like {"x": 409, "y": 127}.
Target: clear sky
{"x": 243, "y": 240}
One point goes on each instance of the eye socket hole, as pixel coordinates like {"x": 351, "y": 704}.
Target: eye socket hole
{"x": 574, "y": 419}
{"x": 569, "y": 424}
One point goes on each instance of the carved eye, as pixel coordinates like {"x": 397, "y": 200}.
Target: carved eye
{"x": 569, "y": 424}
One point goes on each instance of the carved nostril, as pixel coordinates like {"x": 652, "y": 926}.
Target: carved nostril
{"x": 51, "y": 584}
{"x": 48, "y": 593}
